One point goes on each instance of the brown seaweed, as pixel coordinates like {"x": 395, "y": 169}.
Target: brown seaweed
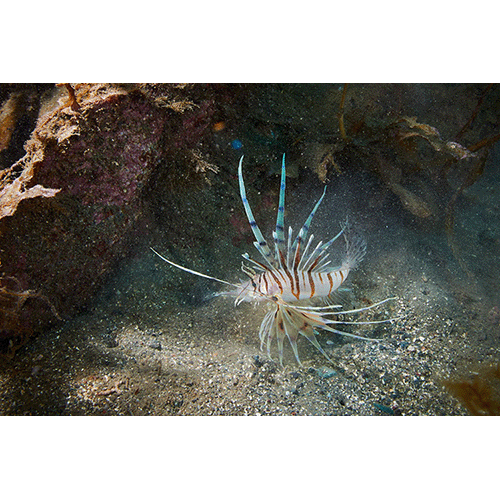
{"x": 12, "y": 301}
{"x": 478, "y": 391}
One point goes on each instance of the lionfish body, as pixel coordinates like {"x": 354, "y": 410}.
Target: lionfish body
{"x": 295, "y": 271}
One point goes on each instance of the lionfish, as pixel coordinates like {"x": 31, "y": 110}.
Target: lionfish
{"x": 291, "y": 276}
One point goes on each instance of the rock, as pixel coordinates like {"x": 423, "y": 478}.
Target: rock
{"x": 55, "y": 253}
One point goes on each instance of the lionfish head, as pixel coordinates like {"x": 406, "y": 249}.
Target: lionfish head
{"x": 246, "y": 291}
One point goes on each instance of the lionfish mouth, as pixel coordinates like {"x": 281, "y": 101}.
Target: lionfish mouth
{"x": 294, "y": 274}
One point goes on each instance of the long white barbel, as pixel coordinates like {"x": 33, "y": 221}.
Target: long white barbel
{"x": 191, "y": 271}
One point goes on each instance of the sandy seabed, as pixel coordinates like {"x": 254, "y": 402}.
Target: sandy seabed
{"x": 138, "y": 350}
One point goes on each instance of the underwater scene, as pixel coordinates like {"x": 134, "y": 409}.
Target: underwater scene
{"x": 250, "y": 249}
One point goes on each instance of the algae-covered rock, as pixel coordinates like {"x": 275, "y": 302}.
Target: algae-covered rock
{"x": 56, "y": 251}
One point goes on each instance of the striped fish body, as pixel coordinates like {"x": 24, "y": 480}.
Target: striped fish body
{"x": 293, "y": 285}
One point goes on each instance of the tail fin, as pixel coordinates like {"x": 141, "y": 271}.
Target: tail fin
{"x": 356, "y": 247}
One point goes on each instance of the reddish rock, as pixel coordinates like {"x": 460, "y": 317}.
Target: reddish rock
{"x": 55, "y": 252}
